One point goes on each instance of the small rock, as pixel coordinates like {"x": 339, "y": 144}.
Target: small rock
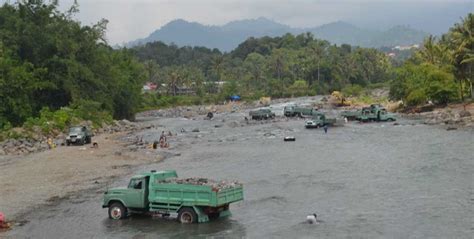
{"x": 464, "y": 113}
{"x": 196, "y": 130}
{"x": 451, "y": 128}
{"x": 233, "y": 124}
{"x": 218, "y": 125}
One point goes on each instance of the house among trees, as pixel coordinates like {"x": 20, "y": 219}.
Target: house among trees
{"x": 150, "y": 86}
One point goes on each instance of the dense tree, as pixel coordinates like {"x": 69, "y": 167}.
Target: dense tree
{"x": 49, "y": 60}
{"x": 432, "y": 71}
{"x": 269, "y": 66}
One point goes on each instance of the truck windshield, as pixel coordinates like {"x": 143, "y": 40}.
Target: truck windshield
{"x": 75, "y": 130}
{"x": 135, "y": 183}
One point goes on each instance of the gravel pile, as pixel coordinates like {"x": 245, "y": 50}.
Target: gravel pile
{"x": 223, "y": 184}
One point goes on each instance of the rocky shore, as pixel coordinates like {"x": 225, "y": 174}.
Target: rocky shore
{"x": 453, "y": 116}
{"x": 39, "y": 143}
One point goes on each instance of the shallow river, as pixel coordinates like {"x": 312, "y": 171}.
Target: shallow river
{"x": 374, "y": 180}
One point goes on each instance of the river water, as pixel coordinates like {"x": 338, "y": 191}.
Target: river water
{"x": 375, "y": 180}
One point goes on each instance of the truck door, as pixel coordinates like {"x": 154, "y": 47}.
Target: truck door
{"x": 136, "y": 194}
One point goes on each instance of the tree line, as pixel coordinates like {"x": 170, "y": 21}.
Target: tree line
{"x": 272, "y": 66}
{"x": 48, "y": 60}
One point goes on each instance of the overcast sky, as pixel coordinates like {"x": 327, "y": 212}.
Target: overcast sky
{"x": 132, "y": 19}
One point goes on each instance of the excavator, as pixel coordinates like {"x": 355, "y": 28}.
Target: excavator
{"x": 338, "y": 99}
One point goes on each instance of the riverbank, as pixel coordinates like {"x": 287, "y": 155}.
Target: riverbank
{"x": 358, "y": 179}
{"x": 45, "y": 178}
{"x": 34, "y": 179}
{"x": 452, "y": 116}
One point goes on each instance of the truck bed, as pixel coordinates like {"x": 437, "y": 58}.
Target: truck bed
{"x": 194, "y": 195}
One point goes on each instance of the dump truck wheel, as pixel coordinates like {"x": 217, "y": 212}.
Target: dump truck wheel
{"x": 117, "y": 211}
{"x": 187, "y": 215}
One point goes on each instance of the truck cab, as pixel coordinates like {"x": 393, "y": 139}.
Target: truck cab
{"x": 383, "y": 115}
{"x": 316, "y": 121}
{"x": 319, "y": 120}
{"x": 289, "y": 110}
{"x": 134, "y": 197}
{"x": 79, "y": 135}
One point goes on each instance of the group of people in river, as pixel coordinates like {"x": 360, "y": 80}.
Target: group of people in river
{"x": 163, "y": 141}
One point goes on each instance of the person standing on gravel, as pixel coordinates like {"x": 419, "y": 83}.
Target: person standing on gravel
{"x": 325, "y": 128}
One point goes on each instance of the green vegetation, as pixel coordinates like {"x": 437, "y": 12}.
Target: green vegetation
{"x": 54, "y": 72}
{"x": 278, "y": 67}
{"x": 442, "y": 71}
{"x": 48, "y": 60}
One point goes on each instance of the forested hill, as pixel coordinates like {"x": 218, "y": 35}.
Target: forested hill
{"x": 228, "y": 36}
{"x": 272, "y": 66}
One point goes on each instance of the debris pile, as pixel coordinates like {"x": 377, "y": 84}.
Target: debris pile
{"x": 220, "y": 185}
{"x": 445, "y": 117}
{"x": 22, "y": 146}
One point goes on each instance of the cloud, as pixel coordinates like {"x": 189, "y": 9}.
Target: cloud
{"x": 132, "y": 19}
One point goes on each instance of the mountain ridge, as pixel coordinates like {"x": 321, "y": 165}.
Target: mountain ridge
{"x": 228, "y": 36}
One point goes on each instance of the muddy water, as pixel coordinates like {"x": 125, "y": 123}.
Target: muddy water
{"x": 363, "y": 180}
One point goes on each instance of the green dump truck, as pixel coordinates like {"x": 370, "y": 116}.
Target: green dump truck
{"x": 261, "y": 114}
{"x": 293, "y": 110}
{"x": 375, "y": 113}
{"x": 319, "y": 120}
{"x": 162, "y": 193}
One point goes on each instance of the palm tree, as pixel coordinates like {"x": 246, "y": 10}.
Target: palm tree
{"x": 318, "y": 48}
{"x": 428, "y": 53}
{"x": 462, "y": 44}
{"x": 217, "y": 64}
{"x": 277, "y": 63}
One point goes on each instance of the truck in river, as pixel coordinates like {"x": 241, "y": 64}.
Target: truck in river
{"x": 319, "y": 120}
{"x": 375, "y": 112}
{"x": 293, "y": 110}
{"x": 261, "y": 114}
{"x": 79, "y": 135}
{"x": 162, "y": 193}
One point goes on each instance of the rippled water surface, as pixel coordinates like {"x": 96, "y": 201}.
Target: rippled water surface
{"x": 363, "y": 180}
